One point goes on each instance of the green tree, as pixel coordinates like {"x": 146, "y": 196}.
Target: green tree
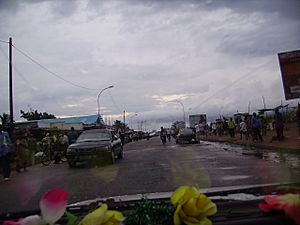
{"x": 35, "y": 115}
{"x": 5, "y": 119}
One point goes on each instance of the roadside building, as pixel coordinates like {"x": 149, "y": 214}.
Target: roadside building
{"x": 78, "y": 122}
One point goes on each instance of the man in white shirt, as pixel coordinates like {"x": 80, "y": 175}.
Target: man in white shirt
{"x": 243, "y": 130}
{"x": 198, "y": 131}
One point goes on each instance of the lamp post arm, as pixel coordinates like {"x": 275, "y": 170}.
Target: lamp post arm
{"x": 182, "y": 109}
{"x": 99, "y": 97}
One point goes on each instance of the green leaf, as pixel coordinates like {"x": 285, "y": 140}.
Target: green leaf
{"x": 72, "y": 219}
{"x": 151, "y": 213}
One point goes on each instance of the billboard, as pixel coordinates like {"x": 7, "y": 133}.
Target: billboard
{"x": 290, "y": 73}
{"x": 193, "y": 119}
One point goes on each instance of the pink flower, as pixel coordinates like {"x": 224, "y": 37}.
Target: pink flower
{"x": 289, "y": 203}
{"x": 53, "y": 205}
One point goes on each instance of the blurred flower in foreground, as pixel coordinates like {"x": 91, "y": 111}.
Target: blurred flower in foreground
{"x": 289, "y": 203}
{"x": 102, "y": 216}
{"x": 192, "y": 207}
{"x": 53, "y": 205}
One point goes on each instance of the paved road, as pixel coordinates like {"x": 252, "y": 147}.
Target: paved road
{"x": 148, "y": 166}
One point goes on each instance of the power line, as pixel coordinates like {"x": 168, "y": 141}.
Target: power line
{"x": 4, "y": 41}
{"x": 53, "y": 73}
{"x": 114, "y": 102}
{"x": 24, "y": 79}
{"x": 17, "y": 71}
{"x": 3, "y": 52}
{"x": 233, "y": 83}
{"x": 22, "y": 76}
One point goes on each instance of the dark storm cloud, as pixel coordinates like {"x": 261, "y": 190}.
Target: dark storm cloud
{"x": 288, "y": 8}
{"x": 8, "y": 5}
{"x": 64, "y": 8}
{"x": 58, "y": 7}
{"x": 265, "y": 40}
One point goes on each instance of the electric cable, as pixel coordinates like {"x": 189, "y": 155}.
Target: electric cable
{"x": 18, "y": 72}
{"x": 4, "y": 41}
{"x": 53, "y": 73}
{"x": 233, "y": 83}
{"x": 114, "y": 102}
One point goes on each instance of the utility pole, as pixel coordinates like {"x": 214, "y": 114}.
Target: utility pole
{"x": 264, "y": 102}
{"x": 249, "y": 107}
{"x": 11, "y": 108}
{"x": 124, "y": 117}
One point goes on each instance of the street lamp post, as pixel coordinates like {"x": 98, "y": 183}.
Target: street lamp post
{"x": 182, "y": 109}
{"x": 176, "y": 100}
{"x": 135, "y": 114}
{"x": 99, "y": 97}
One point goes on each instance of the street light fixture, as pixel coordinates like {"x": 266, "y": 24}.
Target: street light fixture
{"x": 99, "y": 97}
{"x": 176, "y": 100}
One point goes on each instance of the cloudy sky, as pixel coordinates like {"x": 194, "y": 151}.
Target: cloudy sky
{"x": 213, "y": 56}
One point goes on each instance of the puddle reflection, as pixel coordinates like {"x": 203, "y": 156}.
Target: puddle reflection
{"x": 291, "y": 160}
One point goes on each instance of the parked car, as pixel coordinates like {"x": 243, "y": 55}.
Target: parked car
{"x": 94, "y": 143}
{"x": 186, "y": 135}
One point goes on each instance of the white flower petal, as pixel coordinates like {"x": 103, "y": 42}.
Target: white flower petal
{"x": 32, "y": 220}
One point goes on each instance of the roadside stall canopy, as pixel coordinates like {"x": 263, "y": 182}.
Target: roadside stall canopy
{"x": 261, "y": 111}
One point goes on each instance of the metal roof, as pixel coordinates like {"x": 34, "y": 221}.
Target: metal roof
{"x": 90, "y": 119}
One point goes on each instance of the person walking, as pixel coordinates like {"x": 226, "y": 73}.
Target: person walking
{"x": 169, "y": 134}
{"x": 278, "y": 120}
{"x": 122, "y": 137}
{"x": 231, "y": 128}
{"x": 32, "y": 146}
{"x": 163, "y": 135}
{"x": 21, "y": 152}
{"x": 63, "y": 143}
{"x": 298, "y": 118}
{"x": 214, "y": 128}
{"x": 249, "y": 126}
{"x": 197, "y": 130}
{"x": 72, "y": 136}
{"x": 243, "y": 130}
{"x": 256, "y": 128}
{"x": 225, "y": 126}
{"x": 220, "y": 128}
{"x": 5, "y": 145}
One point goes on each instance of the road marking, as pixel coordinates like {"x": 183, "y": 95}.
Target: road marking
{"x": 227, "y": 168}
{"x": 236, "y": 177}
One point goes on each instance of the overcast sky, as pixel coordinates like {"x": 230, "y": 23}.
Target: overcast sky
{"x": 213, "y": 56}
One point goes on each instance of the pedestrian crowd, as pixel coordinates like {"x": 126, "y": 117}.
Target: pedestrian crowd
{"x": 249, "y": 127}
{"x": 21, "y": 152}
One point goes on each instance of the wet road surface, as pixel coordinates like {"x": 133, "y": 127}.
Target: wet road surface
{"x": 149, "y": 166}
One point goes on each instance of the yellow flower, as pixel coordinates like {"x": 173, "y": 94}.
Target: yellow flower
{"x": 102, "y": 216}
{"x": 192, "y": 207}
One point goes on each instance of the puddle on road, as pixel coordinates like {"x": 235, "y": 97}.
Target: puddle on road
{"x": 237, "y": 177}
{"x": 291, "y": 160}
